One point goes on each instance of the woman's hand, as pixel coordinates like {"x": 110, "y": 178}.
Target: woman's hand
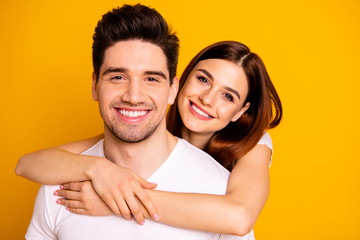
{"x": 120, "y": 188}
{"x": 81, "y": 198}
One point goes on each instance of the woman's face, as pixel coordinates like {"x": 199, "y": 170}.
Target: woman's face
{"x": 212, "y": 96}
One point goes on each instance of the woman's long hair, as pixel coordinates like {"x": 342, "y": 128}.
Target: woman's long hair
{"x": 265, "y": 112}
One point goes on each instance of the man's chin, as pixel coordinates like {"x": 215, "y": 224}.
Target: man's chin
{"x": 132, "y": 137}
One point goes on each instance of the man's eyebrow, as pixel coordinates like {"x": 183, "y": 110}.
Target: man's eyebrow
{"x": 157, "y": 73}
{"x": 212, "y": 78}
{"x": 123, "y": 70}
{"x": 111, "y": 70}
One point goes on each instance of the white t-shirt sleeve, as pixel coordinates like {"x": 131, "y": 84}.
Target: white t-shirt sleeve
{"x": 42, "y": 223}
{"x": 266, "y": 140}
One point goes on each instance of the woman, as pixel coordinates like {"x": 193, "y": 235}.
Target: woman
{"x": 225, "y": 104}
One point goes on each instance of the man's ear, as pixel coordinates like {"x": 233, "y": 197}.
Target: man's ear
{"x": 94, "y": 88}
{"x": 240, "y": 112}
{"x": 173, "y": 91}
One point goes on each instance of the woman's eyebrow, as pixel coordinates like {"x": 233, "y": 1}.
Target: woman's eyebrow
{"x": 233, "y": 91}
{"x": 206, "y": 73}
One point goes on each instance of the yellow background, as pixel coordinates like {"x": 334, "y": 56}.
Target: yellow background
{"x": 311, "y": 50}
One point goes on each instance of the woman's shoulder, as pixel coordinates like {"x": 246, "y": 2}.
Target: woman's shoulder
{"x": 266, "y": 140}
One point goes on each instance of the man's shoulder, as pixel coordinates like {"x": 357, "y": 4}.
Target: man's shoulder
{"x": 196, "y": 155}
{"x": 96, "y": 150}
{"x": 191, "y": 150}
{"x": 189, "y": 169}
{"x": 47, "y": 197}
{"x": 45, "y": 215}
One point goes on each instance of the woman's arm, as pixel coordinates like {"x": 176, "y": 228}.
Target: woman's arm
{"x": 235, "y": 213}
{"x": 58, "y": 164}
{"x": 119, "y": 187}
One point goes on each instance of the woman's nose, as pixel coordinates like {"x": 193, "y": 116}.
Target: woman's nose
{"x": 207, "y": 98}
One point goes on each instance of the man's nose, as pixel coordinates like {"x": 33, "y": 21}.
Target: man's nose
{"x": 134, "y": 92}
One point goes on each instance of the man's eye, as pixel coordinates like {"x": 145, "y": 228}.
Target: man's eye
{"x": 117, "y": 78}
{"x": 151, "y": 79}
{"x": 229, "y": 97}
{"x": 203, "y": 79}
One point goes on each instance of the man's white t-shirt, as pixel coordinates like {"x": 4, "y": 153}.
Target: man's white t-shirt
{"x": 187, "y": 169}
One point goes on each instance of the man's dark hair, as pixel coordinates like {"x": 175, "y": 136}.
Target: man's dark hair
{"x": 134, "y": 22}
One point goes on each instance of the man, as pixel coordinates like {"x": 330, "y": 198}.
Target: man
{"x": 134, "y": 60}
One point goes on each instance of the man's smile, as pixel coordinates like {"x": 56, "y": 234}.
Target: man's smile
{"x": 132, "y": 115}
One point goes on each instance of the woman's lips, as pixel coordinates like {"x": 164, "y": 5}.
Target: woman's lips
{"x": 198, "y": 112}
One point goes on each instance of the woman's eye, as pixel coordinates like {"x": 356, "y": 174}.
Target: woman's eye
{"x": 203, "y": 79}
{"x": 229, "y": 97}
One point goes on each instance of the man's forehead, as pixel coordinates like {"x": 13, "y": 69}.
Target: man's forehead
{"x": 135, "y": 56}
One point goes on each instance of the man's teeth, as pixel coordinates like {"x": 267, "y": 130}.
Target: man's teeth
{"x": 132, "y": 114}
{"x": 200, "y": 112}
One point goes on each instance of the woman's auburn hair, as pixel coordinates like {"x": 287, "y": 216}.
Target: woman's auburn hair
{"x": 265, "y": 112}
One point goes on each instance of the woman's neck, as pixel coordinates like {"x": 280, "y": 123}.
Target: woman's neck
{"x": 199, "y": 140}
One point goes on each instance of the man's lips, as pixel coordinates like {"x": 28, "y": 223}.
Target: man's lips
{"x": 198, "y": 112}
{"x": 132, "y": 115}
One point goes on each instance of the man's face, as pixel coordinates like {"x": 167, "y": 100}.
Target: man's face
{"x": 133, "y": 90}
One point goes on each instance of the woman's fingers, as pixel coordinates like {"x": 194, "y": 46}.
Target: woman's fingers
{"x": 80, "y": 211}
{"x": 145, "y": 184}
{"x": 144, "y": 197}
{"x": 70, "y": 203}
{"x": 70, "y": 198}
{"x": 124, "y": 209}
{"x": 74, "y": 186}
{"x": 68, "y": 194}
{"x": 119, "y": 188}
{"x": 85, "y": 200}
{"x": 135, "y": 209}
{"x": 148, "y": 203}
{"x": 122, "y": 202}
{"x": 112, "y": 205}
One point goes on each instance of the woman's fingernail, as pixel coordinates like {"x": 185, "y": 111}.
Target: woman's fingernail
{"x": 56, "y": 193}
{"x": 156, "y": 217}
{"x": 58, "y": 201}
{"x": 142, "y": 223}
{"x": 61, "y": 187}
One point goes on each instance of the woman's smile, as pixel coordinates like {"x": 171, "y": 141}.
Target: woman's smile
{"x": 198, "y": 112}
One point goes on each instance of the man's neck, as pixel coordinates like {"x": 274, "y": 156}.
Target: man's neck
{"x": 144, "y": 157}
